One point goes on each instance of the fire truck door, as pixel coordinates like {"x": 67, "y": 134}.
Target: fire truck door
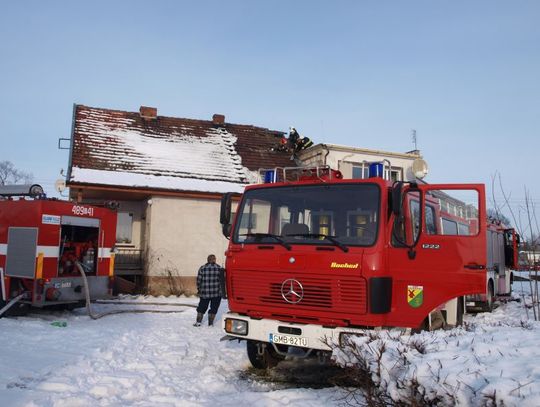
{"x": 21, "y": 252}
{"x": 442, "y": 252}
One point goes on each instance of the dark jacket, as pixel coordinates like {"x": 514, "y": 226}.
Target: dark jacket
{"x": 210, "y": 281}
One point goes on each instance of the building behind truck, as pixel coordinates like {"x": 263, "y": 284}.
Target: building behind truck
{"x": 314, "y": 257}
{"x": 44, "y": 245}
{"x": 168, "y": 175}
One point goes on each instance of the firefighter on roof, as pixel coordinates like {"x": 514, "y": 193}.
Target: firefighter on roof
{"x": 297, "y": 142}
{"x": 293, "y": 144}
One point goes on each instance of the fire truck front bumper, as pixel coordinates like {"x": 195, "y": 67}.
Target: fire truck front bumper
{"x": 309, "y": 336}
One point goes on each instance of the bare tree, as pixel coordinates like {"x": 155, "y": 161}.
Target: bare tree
{"x": 494, "y": 214}
{"x": 529, "y": 229}
{"x": 11, "y": 175}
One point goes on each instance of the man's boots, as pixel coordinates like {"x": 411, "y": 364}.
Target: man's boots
{"x": 199, "y": 319}
{"x": 211, "y": 318}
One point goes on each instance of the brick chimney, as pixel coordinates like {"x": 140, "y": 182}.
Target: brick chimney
{"x": 148, "y": 113}
{"x": 218, "y": 119}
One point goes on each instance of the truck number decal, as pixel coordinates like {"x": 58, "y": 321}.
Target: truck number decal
{"x": 82, "y": 210}
{"x": 431, "y": 246}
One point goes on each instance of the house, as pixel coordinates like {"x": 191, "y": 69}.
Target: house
{"x": 168, "y": 175}
{"x": 354, "y": 162}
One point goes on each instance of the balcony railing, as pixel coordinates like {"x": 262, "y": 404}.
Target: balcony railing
{"x": 127, "y": 259}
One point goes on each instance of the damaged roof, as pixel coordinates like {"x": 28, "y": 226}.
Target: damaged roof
{"x": 142, "y": 149}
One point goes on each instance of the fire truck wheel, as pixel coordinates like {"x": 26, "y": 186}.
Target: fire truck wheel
{"x": 268, "y": 359}
{"x": 460, "y": 311}
{"x": 488, "y": 305}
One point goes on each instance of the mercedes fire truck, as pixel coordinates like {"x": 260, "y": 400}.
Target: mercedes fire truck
{"x": 314, "y": 257}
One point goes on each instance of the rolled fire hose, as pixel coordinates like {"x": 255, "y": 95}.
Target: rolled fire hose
{"x": 134, "y": 311}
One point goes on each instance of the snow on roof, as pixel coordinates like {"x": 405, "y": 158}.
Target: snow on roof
{"x": 112, "y": 147}
{"x": 149, "y": 181}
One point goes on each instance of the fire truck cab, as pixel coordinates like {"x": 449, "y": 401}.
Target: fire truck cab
{"x": 41, "y": 243}
{"x": 314, "y": 257}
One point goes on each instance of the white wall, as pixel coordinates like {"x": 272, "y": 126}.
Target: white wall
{"x": 343, "y": 159}
{"x": 181, "y": 233}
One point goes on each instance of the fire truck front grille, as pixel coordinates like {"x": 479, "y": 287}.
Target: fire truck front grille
{"x": 317, "y": 294}
{"x": 333, "y": 295}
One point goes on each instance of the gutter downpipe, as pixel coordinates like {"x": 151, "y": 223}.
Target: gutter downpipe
{"x": 327, "y": 153}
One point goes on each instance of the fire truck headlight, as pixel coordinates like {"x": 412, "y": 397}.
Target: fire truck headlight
{"x": 236, "y": 326}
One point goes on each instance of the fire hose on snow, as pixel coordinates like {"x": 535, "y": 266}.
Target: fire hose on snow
{"x": 132, "y": 311}
{"x": 11, "y": 303}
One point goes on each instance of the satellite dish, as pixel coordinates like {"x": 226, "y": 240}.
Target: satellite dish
{"x": 419, "y": 168}
{"x": 60, "y": 185}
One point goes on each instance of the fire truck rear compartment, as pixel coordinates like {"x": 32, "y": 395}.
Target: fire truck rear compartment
{"x": 78, "y": 243}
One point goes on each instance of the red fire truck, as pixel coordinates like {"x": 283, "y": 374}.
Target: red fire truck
{"x": 502, "y": 260}
{"x": 314, "y": 257}
{"x": 41, "y": 240}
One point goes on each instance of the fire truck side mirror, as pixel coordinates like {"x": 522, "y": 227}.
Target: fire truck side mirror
{"x": 225, "y": 213}
{"x": 397, "y": 192}
{"x": 226, "y": 229}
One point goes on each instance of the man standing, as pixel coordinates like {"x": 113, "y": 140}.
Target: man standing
{"x": 209, "y": 280}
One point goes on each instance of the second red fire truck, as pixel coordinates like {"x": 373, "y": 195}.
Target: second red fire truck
{"x": 317, "y": 258}
{"x": 44, "y": 244}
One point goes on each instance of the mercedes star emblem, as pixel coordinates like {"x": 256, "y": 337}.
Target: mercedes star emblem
{"x": 292, "y": 291}
{"x": 292, "y": 260}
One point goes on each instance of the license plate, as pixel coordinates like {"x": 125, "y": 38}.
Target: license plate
{"x": 64, "y": 284}
{"x": 290, "y": 340}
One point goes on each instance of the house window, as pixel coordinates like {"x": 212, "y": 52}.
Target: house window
{"x": 359, "y": 172}
{"x": 362, "y": 172}
{"x": 395, "y": 174}
{"x": 124, "y": 227}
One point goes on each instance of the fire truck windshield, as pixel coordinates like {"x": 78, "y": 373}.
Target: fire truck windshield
{"x": 337, "y": 214}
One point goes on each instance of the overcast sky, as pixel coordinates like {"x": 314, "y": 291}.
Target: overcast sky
{"x": 465, "y": 75}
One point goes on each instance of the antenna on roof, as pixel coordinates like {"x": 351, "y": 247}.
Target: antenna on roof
{"x": 413, "y": 133}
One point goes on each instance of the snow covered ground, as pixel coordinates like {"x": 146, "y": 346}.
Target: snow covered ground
{"x": 162, "y": 360}
{"x": 132, "y": 359}
{"x": 494, "y": 359}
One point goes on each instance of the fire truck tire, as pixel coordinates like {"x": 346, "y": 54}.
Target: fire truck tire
{"x": 488, "y": 305}
{"x": 437, "y": 322}
{"x": 460, "y": 311}
{"x": 511, "y": 283}
{"x": 267, "y": 360}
